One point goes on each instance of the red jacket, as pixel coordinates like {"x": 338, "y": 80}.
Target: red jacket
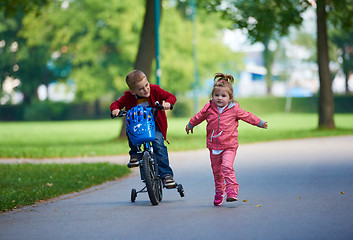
{"x": 129, "y": 101}
{"x": 222, "y": 128}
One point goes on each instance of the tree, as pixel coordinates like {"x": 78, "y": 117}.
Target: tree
{"x": 342, "y": 37}
{"x": 326, "y": 104}
{"x": 263, "y": 21}
{"x": 11, "y": 7}
{"x": 283, "y": 14}
{"x": 177, "y": 49}
{"x": 27, "y": 63}
{"x": 146, "y": 49}
{"x": 339, "y": 14}
{"x": 8, "y": 31}
{"x": 344, "y": 41}
{"x": 97, "y": 37}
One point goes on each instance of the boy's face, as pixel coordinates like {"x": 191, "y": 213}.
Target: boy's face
{"x": 141, "y": 88}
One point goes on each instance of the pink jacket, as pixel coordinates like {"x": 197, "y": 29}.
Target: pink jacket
{"x": 222, "y": 128}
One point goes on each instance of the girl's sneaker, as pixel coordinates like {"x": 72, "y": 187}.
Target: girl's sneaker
{"x": 231, "y": 196}
{"x": 219, "y": 199}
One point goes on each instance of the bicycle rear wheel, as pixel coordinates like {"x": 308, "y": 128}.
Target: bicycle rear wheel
{"x": 151, "y": 180}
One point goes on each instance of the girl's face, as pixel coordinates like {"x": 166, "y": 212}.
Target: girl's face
{"x": 221, "y": 97}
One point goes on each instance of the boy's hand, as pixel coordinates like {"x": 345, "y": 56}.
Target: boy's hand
{"x": 188, "y": 129}
{"x": 264, "y": 125}
{"x": 115, "y": 112}
{"x": 166, "y": 105}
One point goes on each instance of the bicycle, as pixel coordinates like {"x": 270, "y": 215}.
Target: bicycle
{"x": 140, "y": 128}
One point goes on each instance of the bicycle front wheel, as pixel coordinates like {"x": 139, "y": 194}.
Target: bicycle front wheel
{"x": 151, "y": 180}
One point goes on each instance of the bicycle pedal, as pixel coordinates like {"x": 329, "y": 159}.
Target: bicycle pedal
{"x": 132, "y": 165}
{"x": 170, "y": 186}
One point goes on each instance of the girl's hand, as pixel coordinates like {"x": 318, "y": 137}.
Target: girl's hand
{"x": 188, "y": 129}
{"x": 264, "y": 125}
{"x": 115, "y": 112}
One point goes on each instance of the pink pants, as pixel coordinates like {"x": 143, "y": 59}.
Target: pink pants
{"x": 223, "y": 171}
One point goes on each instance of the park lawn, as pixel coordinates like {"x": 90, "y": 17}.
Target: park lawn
{"x": 99, "y": 137}
{"x": 25, "y": 184}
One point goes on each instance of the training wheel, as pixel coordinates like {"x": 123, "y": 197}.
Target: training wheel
{"x": 133, "y": 195}
{"x": 181, "y": 190}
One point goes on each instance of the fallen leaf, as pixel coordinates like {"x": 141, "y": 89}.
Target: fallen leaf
{"x": 245, "y": 200}
{"x": 258, "y": 205}
{"x": 49, "y": 184}
{"x": 342, "y": 192}
{"x": 298, "y": 197}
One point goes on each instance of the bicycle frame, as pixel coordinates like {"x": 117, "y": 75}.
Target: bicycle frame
{"x": 148, "y": 167}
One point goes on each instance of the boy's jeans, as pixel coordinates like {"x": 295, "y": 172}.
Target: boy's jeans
{"x": 160, "y": 152}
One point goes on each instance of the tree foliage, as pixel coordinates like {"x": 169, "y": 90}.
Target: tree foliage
{"x": 99, "y": 38}
{"x": 95, "y": 43}
{"x": 268, "y": 18}
{"x": 177, "y": 52}
{"x": 27, "y": 63}
{"x": 11, "y": 7}
{"x": 260, "y": 18}
{"x": 263, "y": 21}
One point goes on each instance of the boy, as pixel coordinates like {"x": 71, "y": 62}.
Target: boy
{"x": 143, "y": 93}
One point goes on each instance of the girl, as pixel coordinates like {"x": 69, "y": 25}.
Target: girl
{"x": 222, "y": 114}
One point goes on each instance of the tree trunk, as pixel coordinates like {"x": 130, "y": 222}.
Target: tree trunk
{"x": 347, "y": 63}
{"x": 268, "y": 61}
{"x": 146, "y": 51}
{"x": 326, "y": 103}
{"x": 122, "y": 134}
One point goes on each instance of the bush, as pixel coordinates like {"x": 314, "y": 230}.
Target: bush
{"x": 45, "y": 111}
{"x": 182, "y": 109}
{"x": 11, "y": 112}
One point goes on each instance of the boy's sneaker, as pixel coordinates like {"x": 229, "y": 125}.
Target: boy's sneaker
{"x": 134, "y": 162}
{"x": 169, "y": 181}
{"x": 218, "y": 199}
{"x": 231, "y": 196}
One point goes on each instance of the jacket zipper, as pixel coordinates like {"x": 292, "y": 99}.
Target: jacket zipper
{"x": 219, "y": 119}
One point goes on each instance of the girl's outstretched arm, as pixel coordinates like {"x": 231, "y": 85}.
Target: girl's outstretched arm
{"x": 188, "y": 128}
{"x": 264, "y": 125}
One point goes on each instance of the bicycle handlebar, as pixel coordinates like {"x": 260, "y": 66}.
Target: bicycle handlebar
{"x": 157, "y": 107}
{"x": 122, "y": 113}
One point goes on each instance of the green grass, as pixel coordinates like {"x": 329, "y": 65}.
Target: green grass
{"x": 26, "y": 184}
{"x": 99, "y": 137}
{"x": 281, "y": 126}
{"x": 60, "y": 139}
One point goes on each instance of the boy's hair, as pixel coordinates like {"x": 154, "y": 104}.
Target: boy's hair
{"x": 224, "y": 81}
{"x": 134, "y": 77}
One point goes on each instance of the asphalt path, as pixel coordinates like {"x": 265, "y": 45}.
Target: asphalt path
{"x": 293, "y": 189}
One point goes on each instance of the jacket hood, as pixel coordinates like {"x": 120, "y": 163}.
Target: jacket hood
{"x": 230, "y": 105}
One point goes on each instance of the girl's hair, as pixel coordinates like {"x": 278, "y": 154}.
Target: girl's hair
{"x": 224, "y": 81}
